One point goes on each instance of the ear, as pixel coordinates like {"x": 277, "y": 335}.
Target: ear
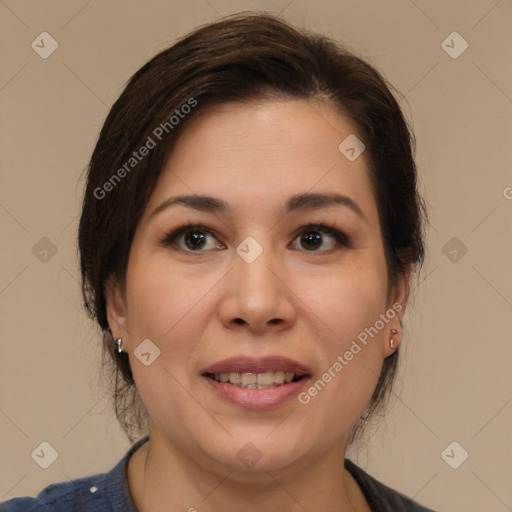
{"x": 397, "y": 301}
{"x": 400, "y": 292}
{"x": 116, "y": 308}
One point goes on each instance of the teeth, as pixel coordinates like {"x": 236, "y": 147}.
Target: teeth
{"x": 249, "y": 380}
{"x": 278, "y": 377}
{"x": 265, "y": 378}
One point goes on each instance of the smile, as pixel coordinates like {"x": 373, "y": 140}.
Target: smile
{"x": 256, "y": 383}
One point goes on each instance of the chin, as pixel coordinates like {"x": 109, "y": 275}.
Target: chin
{"x": 251, "y": 455}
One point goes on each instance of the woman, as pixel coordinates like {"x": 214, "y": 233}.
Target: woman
{"x": 249, "y": 228}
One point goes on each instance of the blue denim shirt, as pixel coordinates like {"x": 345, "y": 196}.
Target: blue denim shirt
{"x": 108, "y": 492}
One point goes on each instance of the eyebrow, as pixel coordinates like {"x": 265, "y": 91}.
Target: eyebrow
{"x": 298, "y": 202}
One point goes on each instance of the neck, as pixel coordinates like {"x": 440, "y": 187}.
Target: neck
{"x": 163, "y": 479}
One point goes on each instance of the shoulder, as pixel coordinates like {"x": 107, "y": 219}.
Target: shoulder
{"x": 380, "y": 497}
{"x": 103, "y": 492}
{"x": 79, "y": 494}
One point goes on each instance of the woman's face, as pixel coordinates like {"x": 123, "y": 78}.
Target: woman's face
{"x": 256, "y": 294}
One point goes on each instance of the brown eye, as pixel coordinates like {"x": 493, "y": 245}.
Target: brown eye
{"x": 191, "y": 238}
{"x": 194, "y": 239}
{"x": 312, "y": 238}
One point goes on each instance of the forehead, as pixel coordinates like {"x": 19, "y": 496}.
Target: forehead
{"x": 261, "y": 153}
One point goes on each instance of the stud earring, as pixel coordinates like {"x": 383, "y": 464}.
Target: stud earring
{"x": 119, "y": 342}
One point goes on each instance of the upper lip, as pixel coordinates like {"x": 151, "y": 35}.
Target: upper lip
{"x": 248, "y": 364}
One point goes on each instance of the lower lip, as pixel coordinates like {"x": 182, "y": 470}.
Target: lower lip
{"x": 257, "y": 398}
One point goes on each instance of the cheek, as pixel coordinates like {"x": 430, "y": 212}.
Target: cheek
{"x": 350, "y": 301}
{"x": 163, "y": 298}
{"x": 350, "y": 297}
{"x": 166, "y": 305}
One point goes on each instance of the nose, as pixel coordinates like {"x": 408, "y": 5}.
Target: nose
{"x": 257, "y": 296}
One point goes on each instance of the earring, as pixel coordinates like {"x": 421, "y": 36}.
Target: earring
{"x": 119, "y": 342}
{"x": 391, "y": 341}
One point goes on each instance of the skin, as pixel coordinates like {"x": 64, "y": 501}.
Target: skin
{"x": 306, "y": 303}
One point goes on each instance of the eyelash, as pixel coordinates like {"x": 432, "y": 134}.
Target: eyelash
{"x": 340, "y": 237}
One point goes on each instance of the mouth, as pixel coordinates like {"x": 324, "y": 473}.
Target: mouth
{"x": 257, "y": 383}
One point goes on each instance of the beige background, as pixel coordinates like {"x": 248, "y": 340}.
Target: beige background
{"x": 455, "y": 384}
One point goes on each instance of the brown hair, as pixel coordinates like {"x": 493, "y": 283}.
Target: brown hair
{"x": 248, "y": 56}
